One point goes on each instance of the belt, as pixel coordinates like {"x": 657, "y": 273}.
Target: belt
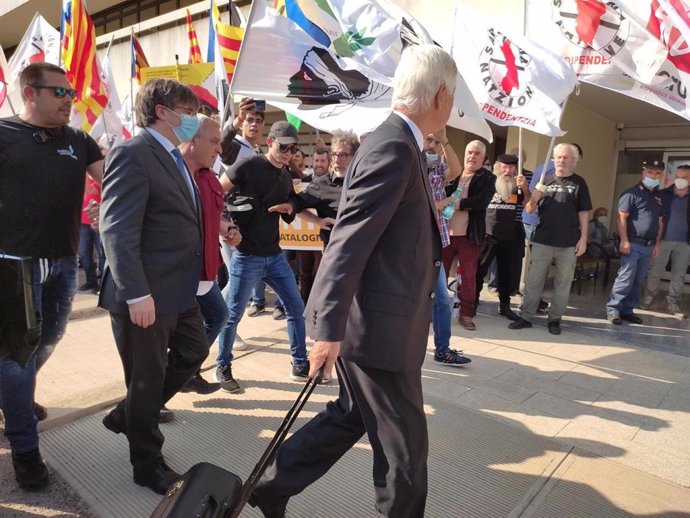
{"x": 641, "y": 241}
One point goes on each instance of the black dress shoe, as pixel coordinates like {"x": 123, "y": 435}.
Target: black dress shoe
{"x": 114, "y": 424}
{"x": 30, "y": 470}
{"x": 199, "y": 385}
{"x": 158, "y": 479}
{"x": 269, "y": 509}
{"x": 554, "y": 327}
{"x": 520, "y": 323}
{"x": 632, "y": 318}
{"x": 166, "y": 415}
{"x": 505, "y": 311}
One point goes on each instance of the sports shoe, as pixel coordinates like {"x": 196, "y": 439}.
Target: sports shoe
{"x": 30, "y": 470}
{"x": 646, "y": 302}
{"x": 543, "y": 307}
{"x": 199, "y": 385}
{"x": 300, "y": 372}
{"x": 520, "y": 323}
{"x": 239, "y": 344}
{"x": 40, "y": 412}
{"x": 505, "y": 311}
{"x": 452, "y": 358}
{"x": 165, "y": 415}
{"x": 493, "y": 290}
{"x": 554, "y": 327}
{"x": 674, "y": 309}
{"x": 279, "y": 313}
{"x": 632, "y": 318}
{"x": 227, "y": 382}
{"x": 614, "y": 318}
{"x": 255, "y": 309}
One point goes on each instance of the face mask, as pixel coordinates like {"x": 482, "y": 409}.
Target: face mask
{"x": 431, "y": 158}
{"x": 188, "y": 127}
{"x": 681, "y": 183}
{"x": 650, "y": 183}
{"x": 603, "y": 219}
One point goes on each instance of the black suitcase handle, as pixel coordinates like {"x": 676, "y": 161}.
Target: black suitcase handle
{"x": 272, "y": 448}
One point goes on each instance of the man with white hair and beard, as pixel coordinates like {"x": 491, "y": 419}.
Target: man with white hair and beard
{"x": 502, "y": 229}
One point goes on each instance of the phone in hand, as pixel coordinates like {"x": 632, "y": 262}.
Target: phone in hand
{"x": 259, "y": 105}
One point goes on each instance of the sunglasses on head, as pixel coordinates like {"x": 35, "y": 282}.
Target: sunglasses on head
{"x": 58, "y": 91}
{"x": 288, "y": 148}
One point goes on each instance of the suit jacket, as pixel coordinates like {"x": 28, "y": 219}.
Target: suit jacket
{"x": 150, "y": 229}
{"x": 374, "y": 289}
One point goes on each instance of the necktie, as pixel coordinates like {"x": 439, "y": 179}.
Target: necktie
{"x": 183, "y": 170}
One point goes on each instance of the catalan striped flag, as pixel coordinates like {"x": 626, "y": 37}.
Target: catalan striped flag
{"x": 194, "y": 50}
{"x": 81, "y": 63}
{"x": 229, "y": 39}
{"x": 138, "y": 58}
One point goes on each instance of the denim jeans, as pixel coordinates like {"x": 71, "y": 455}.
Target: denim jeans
{"x": 214, "y": 312}
{"x": 90, "y": 244}
{"x": 245, "y": 271}
{"x": 441, "y": 315}
{"x": 627, "y": 287}
{"x": 54, "y": 284}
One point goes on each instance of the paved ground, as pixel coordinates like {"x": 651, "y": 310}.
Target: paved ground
{"x": 584, "y": 424}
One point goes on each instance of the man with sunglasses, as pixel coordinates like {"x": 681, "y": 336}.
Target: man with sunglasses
{"x": 43, "y": 163}
{"x": 267, "y": 181}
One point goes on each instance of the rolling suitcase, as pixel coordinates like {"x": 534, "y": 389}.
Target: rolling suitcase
{"x": 208, "y": 491}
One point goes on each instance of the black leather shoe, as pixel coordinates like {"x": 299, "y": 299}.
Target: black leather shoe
{"x": 114, "y": 424}
{"x": 520, "y": 323}
{"x": 166, "y": 415}
{"x": 505, "y": 311}
{"x": 158, "y": 479}
{"x": 269, "y": 509}
{"x": 632, "y": 318}
{"x": 30, "y": 470}
{"x": 554, "y": 327}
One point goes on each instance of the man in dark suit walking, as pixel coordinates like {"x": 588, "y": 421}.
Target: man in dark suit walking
{"x": 150, "y": 227}
{"x": 371, "y": 304}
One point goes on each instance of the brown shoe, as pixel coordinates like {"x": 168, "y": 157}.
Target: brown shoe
{"x": 467, "y": 323}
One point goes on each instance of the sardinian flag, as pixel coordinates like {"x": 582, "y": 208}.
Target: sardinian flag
{"x": 597, "y": 36}
{"x": 41, "y": 42}
{"x": 515, "y": 81}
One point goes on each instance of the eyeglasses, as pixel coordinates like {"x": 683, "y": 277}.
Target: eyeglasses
{"x": 58, "y": 91}
{"x": 288, "y": 148}
{"x": 341, "y": 156}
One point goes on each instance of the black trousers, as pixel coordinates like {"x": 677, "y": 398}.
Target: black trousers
{"x": 518, "y": 256}
{"x": 157, "y": 361}
{"x": 388, "y": 406}
{"x": 503, "y": 251}
{"x": 309, "y": 261}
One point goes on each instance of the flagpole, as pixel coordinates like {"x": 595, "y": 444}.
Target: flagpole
{"x": 131, "y": 79}
{"x": 519, "y": 171}
{"x": 14, "y": 112}
{"x": 551, "y": 144}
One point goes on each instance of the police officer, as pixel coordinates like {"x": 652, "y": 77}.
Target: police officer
{"x": 640, "y": 228}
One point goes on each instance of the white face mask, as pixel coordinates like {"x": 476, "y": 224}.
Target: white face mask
{"x": 604, "y": 220}
{"x": 681, "y": 183}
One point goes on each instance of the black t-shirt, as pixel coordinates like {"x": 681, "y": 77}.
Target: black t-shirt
{"x": 322, "y": 194}
{"x": 268, "y": 186}
{"x": 42, "y": 174}
{"x": 558, "y": 208}
{"x": 501, "y": 216}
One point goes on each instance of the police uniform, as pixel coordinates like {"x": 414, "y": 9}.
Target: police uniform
{"x": 644, "y": 212}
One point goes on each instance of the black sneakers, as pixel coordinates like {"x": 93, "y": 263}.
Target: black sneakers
{"x": 505, "y": 311}
{"x": 199, "y": 385}
{"x": 452, "y": 358}
{"x": 30, "y": 470}
{"x": 279, "y": 313}
{"x": 227, "y": 382}
{"x": 300, "y": 372}
{"x": 255, "y": 309}
{"x": 554, "y": 327}
{"x": 520, "y": 323}
{"x": 632, "y": 318}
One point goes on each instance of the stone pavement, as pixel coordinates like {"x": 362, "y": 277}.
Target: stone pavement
{"x": 537, "y": 425}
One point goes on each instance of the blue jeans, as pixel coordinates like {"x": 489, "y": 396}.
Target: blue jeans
{"x": 54, "y": 283}
{"x": 258, "y": 294}
{"x": 90, "y": 243}
{"x": 441, "y": 315}
{"x": 627, "y": 287}
{"x": 245, "y": 271}
{"x": 214, "y": 312}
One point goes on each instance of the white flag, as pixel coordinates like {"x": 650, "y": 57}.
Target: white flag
{"x": 295, "y": 68}
{"x": 515, "y": 81}
{"x": 41, "y": 42}
{"x": 596, "y": 37}
{"x": 670, "y": 89}
{"x": 109, "y": 122}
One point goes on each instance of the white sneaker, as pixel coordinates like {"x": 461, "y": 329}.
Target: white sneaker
{"x": 239, "y": 345}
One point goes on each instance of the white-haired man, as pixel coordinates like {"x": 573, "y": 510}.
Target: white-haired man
{"x": 373, "y": 294}
{"x": 561, "y": 236}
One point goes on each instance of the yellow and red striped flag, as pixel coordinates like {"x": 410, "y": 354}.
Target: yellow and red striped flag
{"x": 229, "y": 40}
{"x": 194, "y": 50}
{"x": 138, "y": 58}
{"x": 81, "y": 63}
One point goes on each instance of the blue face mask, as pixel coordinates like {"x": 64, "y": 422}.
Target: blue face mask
{"x": 188, "y": 127}
{"x": 650, "y": 183}
{"x": 431, "y": 158}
